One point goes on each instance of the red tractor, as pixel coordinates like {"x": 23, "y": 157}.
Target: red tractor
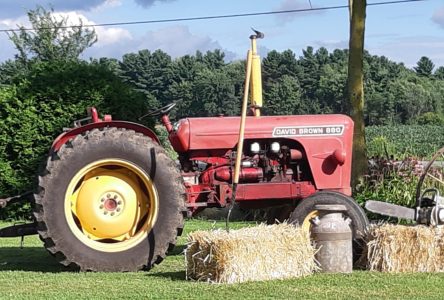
{"x": 110, "y": 199}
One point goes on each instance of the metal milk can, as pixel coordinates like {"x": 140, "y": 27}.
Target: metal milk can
{"x": 333, "y": 237}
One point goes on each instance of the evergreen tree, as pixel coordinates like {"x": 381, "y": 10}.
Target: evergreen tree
{"x": 424, "y": 67}
{"x": 439, "y": 73}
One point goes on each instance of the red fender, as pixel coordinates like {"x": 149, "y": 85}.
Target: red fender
{"x": 66, "y": 136}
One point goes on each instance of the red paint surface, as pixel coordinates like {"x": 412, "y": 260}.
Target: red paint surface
{"x": 66, "y": 136}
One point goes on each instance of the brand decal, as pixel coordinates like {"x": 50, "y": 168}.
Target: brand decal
{"x": 308, "y": 130}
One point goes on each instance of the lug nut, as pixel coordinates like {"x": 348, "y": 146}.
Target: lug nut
{"x": 105, "y": 212}
{"x": 112, "y": 214}
{"x": 108, "y": 195}
{"x": 102, "y": 200}
{"x": 101, "y": 206}
{"x": 118, "y": 209}
{"x": 119, "y": 202}
{"x": 115, "y": 197}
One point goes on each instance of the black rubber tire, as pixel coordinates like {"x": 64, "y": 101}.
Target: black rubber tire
{"x": 279, "y": 214}
{"x": 354, "y": 212}
{"x": 84, "y": 149}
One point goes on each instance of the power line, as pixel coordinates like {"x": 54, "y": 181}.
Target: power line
{"x": 216, "y": 16}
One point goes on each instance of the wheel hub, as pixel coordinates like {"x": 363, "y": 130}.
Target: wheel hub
{"x": 112, "y": 204}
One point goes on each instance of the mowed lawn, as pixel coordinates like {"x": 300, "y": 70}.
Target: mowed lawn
{"x": 31, "y": 273}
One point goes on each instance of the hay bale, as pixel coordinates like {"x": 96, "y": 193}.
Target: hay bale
{"x": 398, "y": 248}
{"x": 257, "y": 253}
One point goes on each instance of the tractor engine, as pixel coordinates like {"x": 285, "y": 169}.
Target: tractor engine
{"x": 285, "y": 158}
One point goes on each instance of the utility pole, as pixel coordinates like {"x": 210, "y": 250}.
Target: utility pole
{"x": 357, "y": 9}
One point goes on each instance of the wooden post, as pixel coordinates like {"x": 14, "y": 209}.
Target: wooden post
{"x": 356, "y": 87}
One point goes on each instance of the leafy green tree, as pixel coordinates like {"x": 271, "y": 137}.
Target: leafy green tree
{"x": 439, "y": 73}
{"x": 415, "y": 96}
{"x": 424, "y": 67}
{"x": 380, "y": 106}
{"x": 36, "y": 108}
{"x": 195, "y": 92}
{"x": 11, "y": 69}
{"x": 322, "y": 56}
{"x": 214, "y": 59}
{"x": 148, "y": 73}
{"x": 378, "y": 71}
{"x": 277, "y": 64}
{"x": 50, "y": 39}
{"x": 331, "y": 91}
{"x": 214, "y": 94}
{"x": 185, "y": 68}
{"x": 284, "y": 97}
{"x": 184, "y": 71}
{"x": 309, "y": 78}
{"x": 430, "y": 118}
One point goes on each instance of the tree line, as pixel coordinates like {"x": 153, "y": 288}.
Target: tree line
{"x": 47, "y": 86}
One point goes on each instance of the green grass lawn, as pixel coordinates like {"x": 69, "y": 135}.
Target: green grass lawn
{"x": 32, "y": 273}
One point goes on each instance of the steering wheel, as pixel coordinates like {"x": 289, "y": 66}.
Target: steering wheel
{"x": 160, "y": 111}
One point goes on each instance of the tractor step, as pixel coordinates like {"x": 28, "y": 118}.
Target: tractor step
{"x": 19, "y": 230}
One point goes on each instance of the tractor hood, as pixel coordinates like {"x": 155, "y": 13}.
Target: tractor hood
{"x": 223, "y": 132}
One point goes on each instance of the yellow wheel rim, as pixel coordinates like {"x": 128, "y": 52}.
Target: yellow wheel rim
{"x": 306, "y": 225}
{"x": 111, "y": 205}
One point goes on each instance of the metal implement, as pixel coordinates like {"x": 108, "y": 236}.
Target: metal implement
{"x": 333, "y": 237}
{"x": 19, "y": 230}
{"x": 23, "y": 197}
{"x": 430, "y": 211}
{"x": 391, "y": 210}
{"x": 429, "y": 208}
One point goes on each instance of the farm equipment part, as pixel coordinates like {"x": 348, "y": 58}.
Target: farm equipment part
{"x": 110, "y": 199}
{"x": 429, "y": 206}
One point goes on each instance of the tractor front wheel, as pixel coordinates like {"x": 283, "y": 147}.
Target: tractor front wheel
{"x": 305, "y": 212}
{"x": 109, "y": 200}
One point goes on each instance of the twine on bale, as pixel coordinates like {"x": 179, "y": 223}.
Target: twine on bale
{"x": 398, "y": 248}
{"x": 263, "y": 252}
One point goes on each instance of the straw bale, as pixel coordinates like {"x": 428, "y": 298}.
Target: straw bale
{"x": 398, "y": 248}
{"x": 263, "y": 252}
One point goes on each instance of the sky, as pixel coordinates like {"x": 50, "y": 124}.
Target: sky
{"x": 401, "y": 32}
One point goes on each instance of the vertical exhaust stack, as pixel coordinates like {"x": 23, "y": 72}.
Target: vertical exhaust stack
{"x": 256, "y": 75}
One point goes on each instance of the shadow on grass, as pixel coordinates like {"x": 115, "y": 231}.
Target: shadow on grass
{"x": 35, "y": 259}
{"x": 173, "y": 276}
{"x": 178, "y": 250}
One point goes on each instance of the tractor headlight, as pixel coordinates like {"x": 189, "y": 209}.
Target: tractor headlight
{"x": 255, "y": 147}
{"x": 275, "y": 147}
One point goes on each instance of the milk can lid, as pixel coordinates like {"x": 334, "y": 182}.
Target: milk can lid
{"x": 330, "y": 207}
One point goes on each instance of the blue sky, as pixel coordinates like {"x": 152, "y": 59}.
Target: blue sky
{"x": 402, "y": 32}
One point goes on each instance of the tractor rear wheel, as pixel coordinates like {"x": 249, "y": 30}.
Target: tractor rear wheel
{"x": 305, "y": 212}
{"x": 109, "y": 200}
